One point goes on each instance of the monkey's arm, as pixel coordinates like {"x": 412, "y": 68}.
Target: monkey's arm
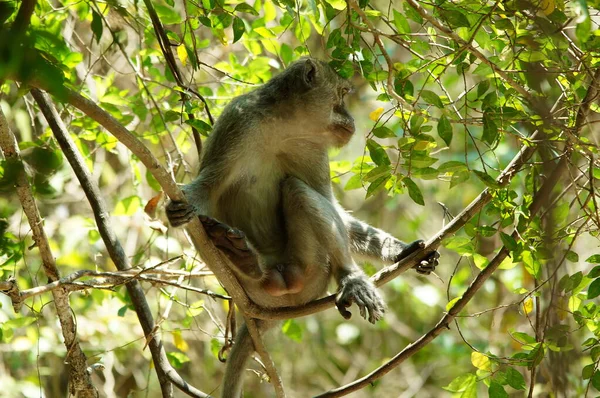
{"x": 376, "y": 244}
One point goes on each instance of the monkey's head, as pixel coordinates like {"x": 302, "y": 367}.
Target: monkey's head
{"x": 316, "y": 93}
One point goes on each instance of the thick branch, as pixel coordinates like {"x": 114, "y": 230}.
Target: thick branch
{"x": 80, "y": 383}
{"x": 165, "y": 372}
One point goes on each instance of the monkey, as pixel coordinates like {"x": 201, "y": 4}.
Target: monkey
{"x": 265, "y": 199}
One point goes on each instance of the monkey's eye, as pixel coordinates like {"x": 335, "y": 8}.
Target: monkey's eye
{"x": 344, "y": 91}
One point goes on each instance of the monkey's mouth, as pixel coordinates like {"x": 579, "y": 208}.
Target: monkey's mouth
{"x": 344, "y": 128}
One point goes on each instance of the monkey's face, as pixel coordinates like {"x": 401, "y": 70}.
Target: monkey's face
{"x": 322, "y": 102}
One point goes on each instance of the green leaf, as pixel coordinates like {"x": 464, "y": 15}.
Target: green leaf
{"x": 432, "y": 98}
{"x": 377, "y": 185}
{"x": 496, "y": 390}
{"x": 152, "y": 182}
{"x": 487, "y": 179}
{"x": 594, "y": 289}
{"x": 515, "y": 379}
{"x": 461, "y": 383}
{"x": 470, "y": 391}
{"x": 596, "y": 380}
{"x": 482, "y": 88}
{"x": 508, "y": 241}
{"x": 337, "y": 4}
{"x": 354, "y": 182}
{"x": 97, "y": 26}
{"x": 504, "y": 24}
{"x": 377, "y": 153}
{"x": 452, "y": 302}
{"x": 401, "y": 23}
{"x": 452, "y": 166}
{"x": 588, "y": 371}
{"x": 128, "y": 206}
{"x": 18, "y": 322}
{"x": 572, "y": 256}
{"x": 243, "y": 7}
{"x": 238, "y": 28}
{"x": 168, "y": 15}
{"x": 6, "y": 10}
{"x": 490, "y": 130}
{"x": 481, "y": 361}
{"x": 202, "y": 127}
{"x": 412, "y": 13}
{"x": 177, "y": 359}
{"x": 377, "y": 172}
{"x": 454, "y": 18}
{"x": 413, "y": 191}
{"x": 215, "y": 347}
{"x": 444, "y": 129}
{"x": 383, "y": 132}
{"x": 595, "y": 259}
{"x": 594, "y": 273}
{"x": 121, "y": 312}
{"x": 292, "y": 329}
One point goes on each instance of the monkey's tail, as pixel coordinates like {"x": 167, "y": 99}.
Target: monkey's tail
{"x": 236, "y": 363}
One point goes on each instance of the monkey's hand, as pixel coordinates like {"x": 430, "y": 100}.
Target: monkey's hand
{"x": 357, "y": 288}
{"x": 179, "y": 213}
{"x": 427, "y": 265}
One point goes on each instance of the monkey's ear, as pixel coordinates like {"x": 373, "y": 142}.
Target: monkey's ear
{"x": 309, "y": 72}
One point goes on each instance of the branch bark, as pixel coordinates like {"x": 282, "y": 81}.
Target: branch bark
{"x": 165, "y": 372}
{"x": 80, "y": 383}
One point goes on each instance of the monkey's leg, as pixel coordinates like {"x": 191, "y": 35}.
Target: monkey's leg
{"x": 317, "y": 238}
{"x": 379, "y": 245}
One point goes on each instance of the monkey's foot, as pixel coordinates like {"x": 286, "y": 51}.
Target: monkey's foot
{"x": 358, "y": 289}
{"x": 427, "y": 265}
{"x": 179, "y": 213}
{"x": 232, "y": 242}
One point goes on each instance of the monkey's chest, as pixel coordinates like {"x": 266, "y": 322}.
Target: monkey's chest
{"x": 254, "y": 206}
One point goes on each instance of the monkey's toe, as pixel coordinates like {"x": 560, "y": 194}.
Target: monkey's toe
{"x": 231, "y": 240}
{"x": 360, "y": 291}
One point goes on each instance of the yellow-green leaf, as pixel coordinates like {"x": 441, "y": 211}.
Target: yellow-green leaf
{"x": 481, "y": 361}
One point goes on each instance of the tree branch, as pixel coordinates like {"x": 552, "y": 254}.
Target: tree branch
{"x": 539, "y": 199}
{"x": 165, "y": 372}
{"x": 108, "y": 280}
{"x": 80, "y": 383}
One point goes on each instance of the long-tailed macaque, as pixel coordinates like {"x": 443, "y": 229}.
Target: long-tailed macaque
{"x": 264, "y": 197}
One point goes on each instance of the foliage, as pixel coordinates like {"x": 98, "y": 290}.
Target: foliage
{"x": 447, "y": 93}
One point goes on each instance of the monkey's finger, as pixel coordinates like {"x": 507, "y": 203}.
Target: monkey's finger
{"x": 343, "y": 311}
{"x": 177, "y": 205}
{"x": 362, "y": 307}
{"x": 411, "y": 248}
{"x": 237, "y": 239}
